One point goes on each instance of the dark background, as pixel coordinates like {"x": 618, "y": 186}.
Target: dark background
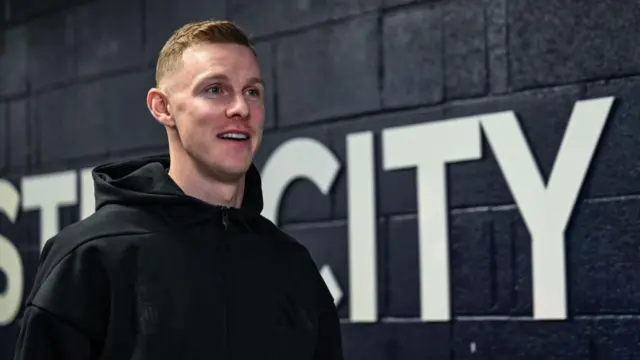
{"x": 73, "y": 80}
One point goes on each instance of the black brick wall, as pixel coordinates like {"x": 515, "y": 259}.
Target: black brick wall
{"x": 74, "y": 73}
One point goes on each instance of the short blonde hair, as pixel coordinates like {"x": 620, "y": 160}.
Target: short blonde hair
{"x": 191, "y": 34}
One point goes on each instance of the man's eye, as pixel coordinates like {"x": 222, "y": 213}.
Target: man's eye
{"x": 253, "y": 92}
{"x": 214, "y": 90}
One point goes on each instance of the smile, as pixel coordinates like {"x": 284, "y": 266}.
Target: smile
{"x": 237, "y": 136}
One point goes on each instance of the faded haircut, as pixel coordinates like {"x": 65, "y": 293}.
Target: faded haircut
{"x": 195, "y": 33}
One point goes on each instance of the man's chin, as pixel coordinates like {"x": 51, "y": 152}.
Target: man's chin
{"x": 231, "y": 172}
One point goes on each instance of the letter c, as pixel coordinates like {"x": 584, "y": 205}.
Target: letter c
{"x": 295, "y": 159}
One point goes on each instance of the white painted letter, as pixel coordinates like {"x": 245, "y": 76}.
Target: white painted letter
{"x": 429, "y": 147}
{"x": 10, "y": 260}
{"x": 294, "y": 159}
{"x": 46, "y": 193}
{"x": 363, "y": 291}
{"x": 87, "y": 195}
{"x": 546, "y": 211}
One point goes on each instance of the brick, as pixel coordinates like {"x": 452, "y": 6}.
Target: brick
{"x": 21, "y": 10}
{"x": 445, "y": 42}
{"x": 50, "y": 46}
{"x": 163, "y": 17}
{"x": 19, "y": 134}
{"x": 124, "y": 113}
{"x": 412, "y": 45}
{"x": 614, "y": 338}
{"x": 519, "y": 340}
{"x": 18, "y": 10}
{"x": 389, "y": 3}
{"x": 328, "y": 245}
{"x": 497, "y": 62}
{"x": 4, "y": 138}
{"x": 489, "y": 257}
{"x": 110, "y": 114}
{"x": 603, "y": 254}
{"x": 261, "y": 19}
{"x": 565, "y": 41}
{"x": 384, "y": 341}
{"x": 266, "y": 54}
{"x": 513, "y": 265}
{"x": 302, "y": 201}
{"x": 338, "y": 64}
{"x": 68, "y": 125}
{"x": 13, "y": 60}
{"x": 465, "y": 50}
{"x": 615, "y": 169}
{"x": 108, "y": 36}
{"x": 68, "y": 215}
{"x": 404, "y": 279}
{"x": 409, "y": 341}
{"x": 366, "y": 341}
{"x": 482, "y": 252}
{"x": 25, "y": 233}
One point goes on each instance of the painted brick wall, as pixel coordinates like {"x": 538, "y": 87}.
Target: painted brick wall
{"x": 73, "y": 77}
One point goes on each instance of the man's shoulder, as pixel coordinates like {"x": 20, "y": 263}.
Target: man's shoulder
{"x": 77, "y": 249}
{"x": 278, "y": 235}
{"x": 93, "y": 231}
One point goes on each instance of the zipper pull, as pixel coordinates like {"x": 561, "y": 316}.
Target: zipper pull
{"x": 225, "y": 219}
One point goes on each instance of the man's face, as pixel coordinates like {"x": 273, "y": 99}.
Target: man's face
{"x": 216, "y": 101}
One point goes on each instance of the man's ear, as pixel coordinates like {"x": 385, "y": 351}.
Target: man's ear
{"x": 158, "y": 104}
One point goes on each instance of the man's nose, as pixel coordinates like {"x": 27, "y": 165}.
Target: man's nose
{"x": 238, "y": 107}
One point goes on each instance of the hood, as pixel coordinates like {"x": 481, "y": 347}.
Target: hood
{"x": 145, "y": 181}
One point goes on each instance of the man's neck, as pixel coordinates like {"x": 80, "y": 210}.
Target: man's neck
{"x": 198, "y": 185}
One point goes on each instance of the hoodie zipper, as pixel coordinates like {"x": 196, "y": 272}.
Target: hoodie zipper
{"x": 225, "y": 224}
{"x": 225, "y": 219}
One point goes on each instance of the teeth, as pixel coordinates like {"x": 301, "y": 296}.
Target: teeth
{"x": 235, "y": 136}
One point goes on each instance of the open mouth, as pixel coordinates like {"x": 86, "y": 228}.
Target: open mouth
{"x": 235, "y": 136}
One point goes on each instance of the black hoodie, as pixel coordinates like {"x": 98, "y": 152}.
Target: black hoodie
{"x": 154, "y": 274}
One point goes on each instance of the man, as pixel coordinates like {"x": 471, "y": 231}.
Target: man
{"x": 176, "y": 262}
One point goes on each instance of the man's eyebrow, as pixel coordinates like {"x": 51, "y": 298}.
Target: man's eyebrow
{"x": 256, "y": 81}
{"x": 222, "y": 77}
{"x": 215, "y": 77}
